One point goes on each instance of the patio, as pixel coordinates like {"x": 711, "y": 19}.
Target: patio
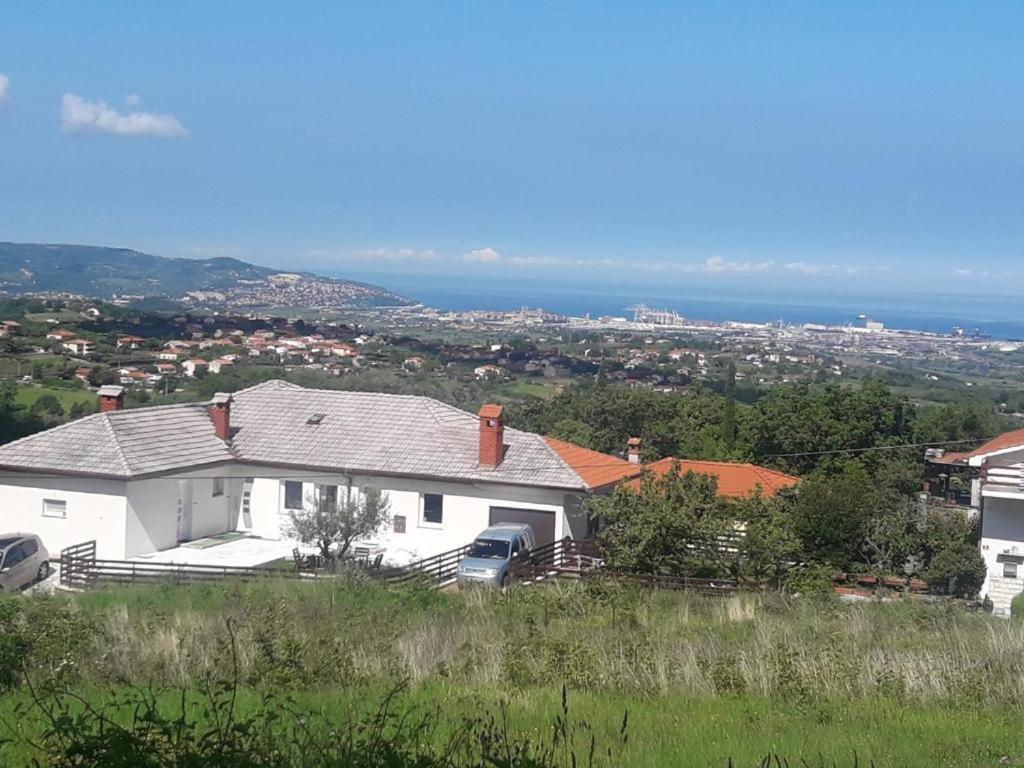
{"x": 241, "y": 552}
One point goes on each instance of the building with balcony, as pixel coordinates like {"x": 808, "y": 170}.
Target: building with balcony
{"x": 997, "y": 468}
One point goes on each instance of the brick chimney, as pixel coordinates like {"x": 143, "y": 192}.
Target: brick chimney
{"x": 220, "y": 414}
{"x": 633, "y": 450}
{"x": 111, "y": 398}
{"x": 492, "y": 435}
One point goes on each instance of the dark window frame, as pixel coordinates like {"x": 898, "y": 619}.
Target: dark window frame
{"x": 429, "y": 511}
{"x": 289, "y": 498}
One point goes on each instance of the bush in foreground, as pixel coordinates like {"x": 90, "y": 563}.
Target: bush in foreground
{"x": 958, "y": 571}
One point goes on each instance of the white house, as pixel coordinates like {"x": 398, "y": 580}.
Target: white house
{"x": 146, "y": 479}
{"x": 79, "y": 346}
{"x": 1001, "y": 486}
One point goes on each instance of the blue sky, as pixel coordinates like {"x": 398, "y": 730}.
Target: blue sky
{"x": 804, "y": 146}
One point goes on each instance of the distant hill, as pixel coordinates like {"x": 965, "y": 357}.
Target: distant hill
{"x": 99, "y": 272}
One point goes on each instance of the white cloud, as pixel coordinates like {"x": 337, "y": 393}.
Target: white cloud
{"x": 80, "y": 116}
{"x": 133, "y": 99}
{"x": 5, "y": 87}
{"x": 718, "y": 264}
{"x": 483, "y": 256}
{"x": 803, "y": 267}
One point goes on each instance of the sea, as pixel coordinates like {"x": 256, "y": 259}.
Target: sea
{"x": 1000, "y": 317}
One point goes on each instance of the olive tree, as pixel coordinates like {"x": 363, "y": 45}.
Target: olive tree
{"x": 327, "y": 520}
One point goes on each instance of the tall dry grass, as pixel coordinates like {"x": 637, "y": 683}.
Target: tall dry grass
{"x": 589, "y": 636}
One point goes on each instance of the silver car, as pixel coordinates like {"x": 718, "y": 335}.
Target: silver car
{"x": 490, "y": 557}
{"x": 23, "y": 561}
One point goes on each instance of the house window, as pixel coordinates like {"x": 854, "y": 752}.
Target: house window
{"x": 55, "y": 508}
{"x": 292, "y": 494}
{"x": 433, "y": 509}
{"x": 329, "y": 496}
{"x": 1009, "y": 570}
{"x": 218, "y": 486}
{"x": 399, "y": 523}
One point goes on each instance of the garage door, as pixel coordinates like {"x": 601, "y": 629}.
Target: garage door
{"x": 543, "y": 522}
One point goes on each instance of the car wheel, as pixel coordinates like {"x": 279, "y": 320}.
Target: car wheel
{"x": 504, "y": 581}
{"x": 44, "y": 571}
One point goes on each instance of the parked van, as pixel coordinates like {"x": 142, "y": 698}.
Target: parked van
{"x": 23, "y": 561}
{"x": 491, "y": 555}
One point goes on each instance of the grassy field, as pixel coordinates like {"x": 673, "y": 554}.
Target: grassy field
{"x": 703, "y": 679}
{"x": 27, "y": 396}
{"x": 66, "y": 316}
{"x": 524, "y": 388}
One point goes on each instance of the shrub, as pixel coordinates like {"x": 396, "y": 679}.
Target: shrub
{"x": 1017, "y": 606}
{"x": 958, "y": 571}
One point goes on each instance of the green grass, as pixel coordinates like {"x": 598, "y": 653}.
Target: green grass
{"x": 27, "y": 396}
{"x": 63, "y": 316}
{"x": 664, "y": 731}
{"x": 703, "y": 679}
{"x": 526, "y": 388}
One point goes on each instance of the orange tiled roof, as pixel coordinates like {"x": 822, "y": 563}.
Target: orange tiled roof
{"x": 949, "y": 457}
{"x": 1006, "y": 440}
{"x": 596, "y": 469}
{"x": 736, "y": 480}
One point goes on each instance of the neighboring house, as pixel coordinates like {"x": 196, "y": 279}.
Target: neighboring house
{"x": 79, "y": 346}
{"x": 736, "y": 480}
{"x": 191, "y": 366}
{"x": 60, "y": 335}
{"x": 998, "y": 489}
{"x": 82, "y": 374}
{"x": 168, "y": 354}
{"x": 146, "y": 479}
{"x": 344, "y": 350}
{"x": 218, "y": 365}
{"x": 130, "y": 342}
{"x": 488, "y": 371}
{"x": 10, "y": 328}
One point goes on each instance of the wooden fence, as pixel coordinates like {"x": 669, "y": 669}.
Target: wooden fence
{"x": 562, "y": 559}
{"x": 435, "y": 571}
{"x": 80, "y": 568}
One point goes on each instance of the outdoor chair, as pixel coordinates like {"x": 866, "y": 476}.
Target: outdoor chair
{"x": 305, "y": 561}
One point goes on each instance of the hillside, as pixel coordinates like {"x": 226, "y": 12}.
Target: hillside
{"x": 100, "y": 272}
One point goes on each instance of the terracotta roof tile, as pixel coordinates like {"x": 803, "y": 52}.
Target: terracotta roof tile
{"x": 596, "y": 469}
{"x": 1012, "y": 439}
{"x": 735, "y": 479}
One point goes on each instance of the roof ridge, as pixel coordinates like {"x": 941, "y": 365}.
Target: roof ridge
{"x": 117, "y": 443}
{"x": 119, "y": 414}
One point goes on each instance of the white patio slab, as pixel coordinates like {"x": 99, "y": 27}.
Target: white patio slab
{"x": 241, "y": 553}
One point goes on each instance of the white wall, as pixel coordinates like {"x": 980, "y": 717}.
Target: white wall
{"x": 152, "y": 518}
{"x": 95, "y": 510}
{"x": 1002, "y": 531}
{"x": 466, "y": 510}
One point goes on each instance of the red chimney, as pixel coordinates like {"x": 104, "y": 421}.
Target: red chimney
{"x": 633, "y": 450}
{"x": 220, "y": 414}
{"x": 492, "y": 435}
{"x": 111, "y": 398}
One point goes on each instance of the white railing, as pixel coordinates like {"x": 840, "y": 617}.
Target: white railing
{"x": 1003, "y": 477}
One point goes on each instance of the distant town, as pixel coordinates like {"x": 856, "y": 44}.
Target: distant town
{"x": 54, "y": 344}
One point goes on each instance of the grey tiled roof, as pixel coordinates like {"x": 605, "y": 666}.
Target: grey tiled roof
{"x": 122, "y": 443}
{"x": 368, "y": 432}
{"x": 360, "y": 432}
